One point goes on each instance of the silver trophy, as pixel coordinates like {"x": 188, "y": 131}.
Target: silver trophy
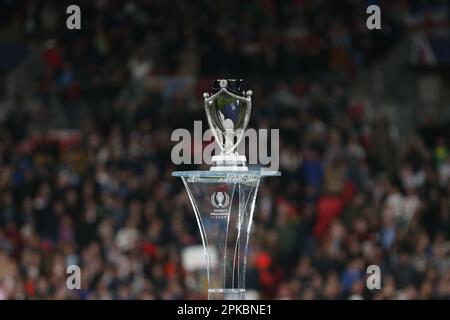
{"x": 228, "y": 115}
{"x": 223, "y": 198}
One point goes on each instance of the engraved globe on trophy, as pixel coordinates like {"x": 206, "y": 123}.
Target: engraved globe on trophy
{"x": 223, "y": 198}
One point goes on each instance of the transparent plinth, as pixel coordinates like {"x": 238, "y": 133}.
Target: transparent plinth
{"x": 223, "y": 202}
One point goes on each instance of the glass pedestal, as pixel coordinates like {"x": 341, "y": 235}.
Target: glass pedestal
{"x": 223, "y": 202}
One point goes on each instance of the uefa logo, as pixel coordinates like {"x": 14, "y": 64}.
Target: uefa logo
{"x": 220, "y": 200}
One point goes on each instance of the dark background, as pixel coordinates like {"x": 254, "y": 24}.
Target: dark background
{"x": 85, "y": 123}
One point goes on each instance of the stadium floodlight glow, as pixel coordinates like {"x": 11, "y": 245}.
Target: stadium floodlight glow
{"x": 223, "y": 198}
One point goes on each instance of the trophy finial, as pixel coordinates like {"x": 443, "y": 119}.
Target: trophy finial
{"x": 223, "y": 83}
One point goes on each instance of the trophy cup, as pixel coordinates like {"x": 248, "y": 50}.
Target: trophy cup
{"x": 223, "y": 198}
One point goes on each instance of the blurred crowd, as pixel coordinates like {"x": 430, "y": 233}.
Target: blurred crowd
{"x": 101, "y": 195}
{"x": 128, "y": 39}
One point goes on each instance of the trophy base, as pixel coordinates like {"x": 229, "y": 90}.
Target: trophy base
{"x": 226, "y": 294}
{"x": 229, "y": 162}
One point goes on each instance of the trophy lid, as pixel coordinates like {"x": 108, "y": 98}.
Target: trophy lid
{"x": 232, "y": 85}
